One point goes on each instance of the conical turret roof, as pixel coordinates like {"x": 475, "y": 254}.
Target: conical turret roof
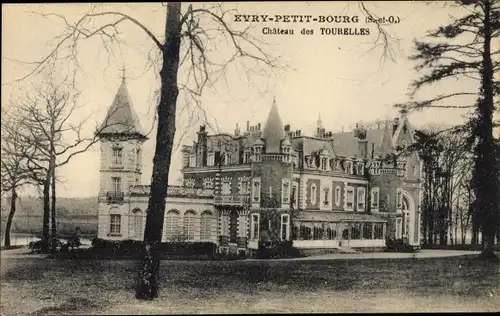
{"x": 121, "y": 117}
{"x": 386, "y": 143}
{"x": 273, "y": 130}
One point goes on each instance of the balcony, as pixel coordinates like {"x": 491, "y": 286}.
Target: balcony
{"x": 238, "y": 200}
{"x": 114, "y": 197}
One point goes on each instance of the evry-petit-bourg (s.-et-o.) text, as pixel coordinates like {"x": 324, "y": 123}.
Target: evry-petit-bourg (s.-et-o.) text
{"x": 330, "y": 19}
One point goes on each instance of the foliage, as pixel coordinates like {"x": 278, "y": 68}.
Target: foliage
{"x": 398, "y": 245}
{"x": 269, "y": 249}
{"x": 134, "y": 248}
{"x": 462, "y": 50}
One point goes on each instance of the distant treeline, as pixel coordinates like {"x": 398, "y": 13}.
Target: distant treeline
{"x": 70, "y": 213}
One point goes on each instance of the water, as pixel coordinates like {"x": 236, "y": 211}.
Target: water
{"x": 24, "y": 240}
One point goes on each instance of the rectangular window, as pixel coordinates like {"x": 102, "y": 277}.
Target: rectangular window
{"x": 338, "y": 191}
{"x": 256, "y": 190}
{"x": 348, "y": 169}
{"x": 349, "y": 198}
{"x": 324, "y": 163}
{"x": 210, "y": 160}
{"x": 208, "y": 183}
{"x": 360, "y": 169}
{"x": 295, "y": 194}
{"x": 115, "y": 223}
{"x": 285, "y": 227}
{"x": 375, "y": 197}
{"x": 117, "y": 156}
{"x": 192, "y": 161}
{"x": 116, "y": 186}
{"x": 367, "y": 230}
{"x": 246, "y": 157}
{"x": 378, "y": 231}
{"x": 226, "y": 187}
{"x": 255, "y": 226}
{"x": 227, "y": 159}
{"x": 285, "y": 192}
{"x": 138, "y": 162}
{"x": 313, "y": 194}
{"x": 244, "y": 187}
{"x": 361, "y": 199}
{"x": 399, "y": 199}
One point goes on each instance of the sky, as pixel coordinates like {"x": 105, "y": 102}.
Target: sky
{"x": 337, "y": 77}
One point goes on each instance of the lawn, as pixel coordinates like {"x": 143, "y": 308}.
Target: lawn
{"x": 49, "y": 286}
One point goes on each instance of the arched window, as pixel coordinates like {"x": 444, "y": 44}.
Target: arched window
{"x": 171, "y": 223}
{"x": 208, "y": 224}
{"x": 189, "y": 224}
{"x": 137, "y": 223}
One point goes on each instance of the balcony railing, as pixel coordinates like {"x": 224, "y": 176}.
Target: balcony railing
{"x": 174, "y": 191}
{"x": 114, "y": 196}
{"x": 232, "y": 200}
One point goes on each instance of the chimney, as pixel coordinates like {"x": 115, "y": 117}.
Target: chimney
{"x": 248, "y": 126}
{"x": 287, "y": 127}
{"x": 395, "y": 125}
{"x": 258, "y": 126}
{"x": 373, "y": 150}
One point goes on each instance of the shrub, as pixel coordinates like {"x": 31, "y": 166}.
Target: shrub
{"x": 398, "y": 245}
{"x": 277, "y": 249}
{"x": 37, "y": 246}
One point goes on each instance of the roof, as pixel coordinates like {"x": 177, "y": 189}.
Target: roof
{"x": 121, "y": 117}
{"x": 273, "y": 130}
{"x": 338, "y": 217}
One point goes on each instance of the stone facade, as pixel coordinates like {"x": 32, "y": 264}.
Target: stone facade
{"x": 323, "y": 191}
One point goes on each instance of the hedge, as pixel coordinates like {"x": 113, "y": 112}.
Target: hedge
{"x": 134, "y": 248}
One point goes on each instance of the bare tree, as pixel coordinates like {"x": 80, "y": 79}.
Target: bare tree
{"x": 14, "y": 170}
{"x": 48, "y": 126}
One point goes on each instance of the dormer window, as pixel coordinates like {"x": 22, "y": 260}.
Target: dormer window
{"x": 257, "y": 153}
{"x": 246, "y": 156}
{"x": 360, "y": 169}
{"x": 227, "y": 159}
{"x": 375, "y": 167}
{"x": 210, "y": 159}
{"x": 324, "y": 163}
{"x": 348, "y": 167}
{"x": 192, "y": 160}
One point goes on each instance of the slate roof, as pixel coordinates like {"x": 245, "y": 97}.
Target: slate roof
{"x": 121, "y": 117}
{"x": 273, "y": 130}
{"x": 345, "y": 143}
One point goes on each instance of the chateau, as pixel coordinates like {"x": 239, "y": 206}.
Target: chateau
{"x": 326, "y": 191}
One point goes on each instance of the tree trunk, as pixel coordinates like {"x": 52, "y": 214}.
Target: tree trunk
{"x": 488, "y": 187}
{"x": 46, "y": 214}
{"x": 8, "y": 226}
{"x": 149, "y": 269}
{"x": 53, "y": 212}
